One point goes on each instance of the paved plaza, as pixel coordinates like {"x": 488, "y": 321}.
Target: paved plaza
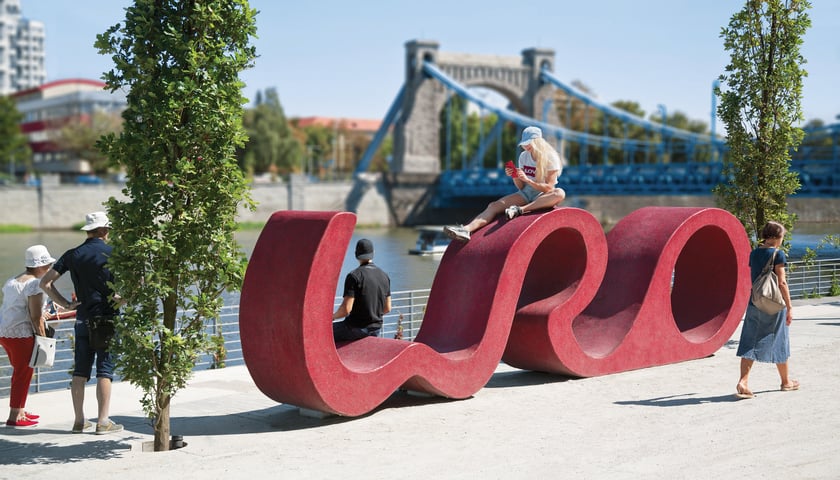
{"x": 678, "y": 421}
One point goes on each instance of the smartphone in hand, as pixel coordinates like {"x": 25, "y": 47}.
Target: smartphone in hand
{"x": 511, "y": 166}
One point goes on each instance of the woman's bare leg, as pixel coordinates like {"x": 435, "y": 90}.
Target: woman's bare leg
{"x": 743, "y": 382}
{"x": 546, "y": 200}
{"x": 494, "y": 209}
{"x": 787, "y": 383}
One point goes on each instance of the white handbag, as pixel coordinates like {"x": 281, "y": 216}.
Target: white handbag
{"x": 43, "y": 353}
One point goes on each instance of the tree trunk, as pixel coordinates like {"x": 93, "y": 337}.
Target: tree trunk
{"x": 162, "y": 429}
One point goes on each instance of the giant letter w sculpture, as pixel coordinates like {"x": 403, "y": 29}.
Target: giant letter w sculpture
{"x": 547, "y": 292}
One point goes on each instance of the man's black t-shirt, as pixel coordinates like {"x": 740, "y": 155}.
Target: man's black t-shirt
{"x": 369, "y": 286}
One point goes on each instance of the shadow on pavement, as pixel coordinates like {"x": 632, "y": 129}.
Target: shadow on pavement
{"x": 47, "y": 453}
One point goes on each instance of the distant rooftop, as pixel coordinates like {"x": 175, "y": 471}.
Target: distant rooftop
{"x": 351, "y": 124}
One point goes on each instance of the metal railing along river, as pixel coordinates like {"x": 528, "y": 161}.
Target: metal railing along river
{"x": 806, "y": 280}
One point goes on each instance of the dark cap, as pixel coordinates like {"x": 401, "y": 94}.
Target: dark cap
{"x": 364, "y": 249}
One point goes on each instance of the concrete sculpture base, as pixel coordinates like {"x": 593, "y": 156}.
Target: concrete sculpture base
{"x": 547, "y": 292}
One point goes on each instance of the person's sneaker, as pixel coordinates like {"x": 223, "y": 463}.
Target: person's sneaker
{"x": 31, "y": 416}
{"x": 81, "y": 427}
{"x": 22, "y": 423}
{"x": 457, "y": 232}
{"x": 110, "y": 427}
{"x": 513, "y": 211}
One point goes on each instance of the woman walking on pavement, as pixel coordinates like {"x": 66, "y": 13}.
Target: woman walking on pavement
{"x": 765, "y": 337}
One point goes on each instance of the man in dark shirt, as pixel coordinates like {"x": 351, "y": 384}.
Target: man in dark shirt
{"x": 89, "y": 272}
{"x": 367, "y": 298}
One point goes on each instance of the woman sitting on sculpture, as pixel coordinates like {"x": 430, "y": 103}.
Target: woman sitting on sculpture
{"x": 535, "y": 179}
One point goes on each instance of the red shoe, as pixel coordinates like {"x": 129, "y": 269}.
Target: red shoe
{"x": 22, "y": 423}
{"x": 31, "y": 416}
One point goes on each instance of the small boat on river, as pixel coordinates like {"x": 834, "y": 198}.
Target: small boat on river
{"x": 430, "y": 241}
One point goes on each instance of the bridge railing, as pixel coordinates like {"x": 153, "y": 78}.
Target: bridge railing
{"x": 818, "y": 178}
{"x": 819, "y": 278}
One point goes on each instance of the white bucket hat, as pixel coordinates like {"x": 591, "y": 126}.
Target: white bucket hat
{"x": 37, "y": 256}
{"x": 96, "y": 220}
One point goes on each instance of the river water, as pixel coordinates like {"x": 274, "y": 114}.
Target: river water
{"x": 407, "y": 272}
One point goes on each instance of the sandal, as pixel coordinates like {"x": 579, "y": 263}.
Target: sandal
{"x": 743, "y": 393}
{"x": 793, "y": 385}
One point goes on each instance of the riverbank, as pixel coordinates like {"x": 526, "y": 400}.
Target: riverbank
{"x": 678, "y": 421}
{"x": 63, "y": 206}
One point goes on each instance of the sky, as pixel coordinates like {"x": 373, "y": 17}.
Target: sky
{"x": 339, "y": 58}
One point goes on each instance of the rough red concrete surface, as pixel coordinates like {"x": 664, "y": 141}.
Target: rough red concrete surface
{"x": 546, "y": 291}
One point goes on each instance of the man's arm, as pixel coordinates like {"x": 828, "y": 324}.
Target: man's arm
{"x": 387, "y": 304}
{"x": 48, "y": 286}
{"x": 345, "y": 308}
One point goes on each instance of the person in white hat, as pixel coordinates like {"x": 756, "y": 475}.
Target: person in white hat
{"x": 88, "y": 269}
{"x": 22, "y": 317}
{"x": 535, "y": 179}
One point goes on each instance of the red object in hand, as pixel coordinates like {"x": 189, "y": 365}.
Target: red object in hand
{"x": 511, "y": 166}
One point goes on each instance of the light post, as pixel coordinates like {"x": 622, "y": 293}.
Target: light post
{"x": 664, "y": 112}
{"x": 715, "y": 85}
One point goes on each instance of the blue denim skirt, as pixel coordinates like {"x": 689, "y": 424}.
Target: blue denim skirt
{"x": 764, "y": 337}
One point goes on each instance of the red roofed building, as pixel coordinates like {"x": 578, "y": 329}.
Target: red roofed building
{"x": 352, "y": 136}
{"x": 358, "y": 125}
{"x": 47, "y": 108}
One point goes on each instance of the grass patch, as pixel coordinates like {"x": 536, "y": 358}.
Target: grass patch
{"x": 15, "y": 229}
{"x": 250, "y": 225}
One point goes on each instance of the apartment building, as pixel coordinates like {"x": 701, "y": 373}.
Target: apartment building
{"x": 21, "y": 50}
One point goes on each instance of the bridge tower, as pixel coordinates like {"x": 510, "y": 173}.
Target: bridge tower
{"x": 417, "y": 132}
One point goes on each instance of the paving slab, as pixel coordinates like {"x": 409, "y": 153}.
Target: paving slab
{"x": 678, "y": 421}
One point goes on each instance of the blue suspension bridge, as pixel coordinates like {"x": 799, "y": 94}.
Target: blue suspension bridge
{"x": 629, "y": 155}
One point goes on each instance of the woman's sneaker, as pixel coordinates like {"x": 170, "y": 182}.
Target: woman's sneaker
{"x": 22, "y": 423}
{"x": 513, "y": 211}
{"x": 457, "y": 232}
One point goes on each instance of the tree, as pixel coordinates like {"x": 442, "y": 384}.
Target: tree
{"x": 174, "y": 247}
{"x": 79, "y": 138}
{"x": 271, "y": 144}
{"x": 318, "y": 140}
{"x": 14, "y": 149}
{"x": 759, "y": 107}
{"x": 465, "y": 148}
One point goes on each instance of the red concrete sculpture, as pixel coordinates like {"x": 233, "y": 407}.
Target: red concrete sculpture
{"x": 547, "y": 292}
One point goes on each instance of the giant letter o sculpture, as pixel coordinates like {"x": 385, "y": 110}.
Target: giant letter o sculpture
{"x": 547, "y": 292}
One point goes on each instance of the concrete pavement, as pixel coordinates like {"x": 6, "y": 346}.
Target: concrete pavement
{"x": 678, "y": 421}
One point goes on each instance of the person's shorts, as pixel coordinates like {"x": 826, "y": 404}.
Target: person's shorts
{"x": 529, "y": 193}
{"x": 85, "y": 356}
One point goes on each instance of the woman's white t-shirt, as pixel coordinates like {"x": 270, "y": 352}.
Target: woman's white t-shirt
{"x": 14, "y": 314}
{"x": 529, "y": 165}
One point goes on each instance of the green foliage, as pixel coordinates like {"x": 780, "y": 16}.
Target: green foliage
{"x": 834, "y": 289}
{"x": 271, "y": 146}
{"x": 79, "y": 138}
{"x": 760, "y": 107}
{"x": 465, "y": 148}
{"x": 583, "y": 117}
{"x": 13, "y": 143}
{"x": 218, "y": 351}
{"x": 174, "y": 247}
